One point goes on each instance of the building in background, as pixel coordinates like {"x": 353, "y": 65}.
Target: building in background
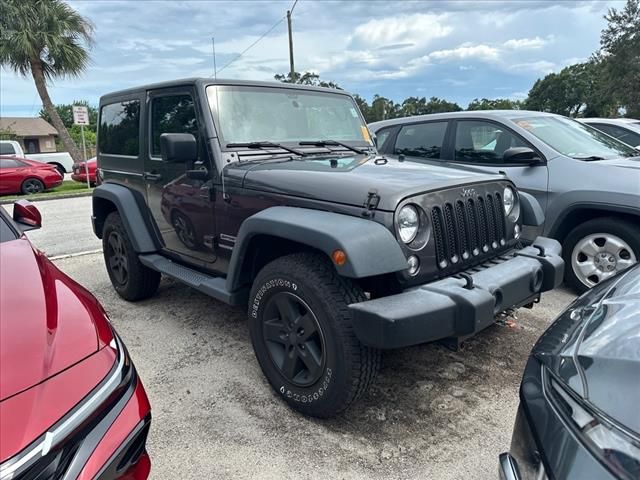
{"x": 36, "y": 135}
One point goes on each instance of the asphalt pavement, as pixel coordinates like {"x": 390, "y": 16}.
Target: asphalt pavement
{"x": 431, "y": 414}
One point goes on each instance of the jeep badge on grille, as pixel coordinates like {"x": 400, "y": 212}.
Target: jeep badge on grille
{"x": 468, "y": 192}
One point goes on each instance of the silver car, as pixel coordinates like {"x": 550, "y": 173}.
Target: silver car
{"x": 587, "y": 182}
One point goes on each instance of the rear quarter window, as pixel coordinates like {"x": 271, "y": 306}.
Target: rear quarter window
{"x": 119, "y": 129}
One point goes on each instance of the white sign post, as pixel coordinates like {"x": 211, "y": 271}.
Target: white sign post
{"x": 81, "y": 117}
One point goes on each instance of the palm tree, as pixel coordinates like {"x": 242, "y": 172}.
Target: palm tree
{"x": 49, "y": 40}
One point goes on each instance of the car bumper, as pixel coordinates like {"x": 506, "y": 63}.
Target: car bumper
{"x": 456, "y": 308}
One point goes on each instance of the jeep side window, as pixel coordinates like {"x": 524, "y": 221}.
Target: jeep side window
{"x": 421, "y": 140}
{"x": 172, "y": 114}
{"x": 483, "y": 142}
{"x": 119, "y": 129}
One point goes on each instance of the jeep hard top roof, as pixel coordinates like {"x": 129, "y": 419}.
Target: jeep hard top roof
{"x": 206, "y": 81}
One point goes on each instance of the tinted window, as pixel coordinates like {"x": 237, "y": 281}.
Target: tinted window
{"x": 622, "y": 134}
{"x": 483, "y": 142}
{"x": 172, "y": 114}
{"x": 10, "y": 163}
{"x": 6, "y": 232}
{"x": 421, "y": 140}
{"x": 120, "y": 128}
{"x": 7, "y": 149}
{"x": 382, "y": 137}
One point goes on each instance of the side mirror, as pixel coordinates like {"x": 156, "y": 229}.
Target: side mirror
{"x": 523, "y": 155}
{"x": 178, "y": 147}
{"x": 26, "y": 215}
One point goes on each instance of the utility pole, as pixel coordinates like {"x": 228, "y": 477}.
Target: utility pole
{"x": 292, "y": 69}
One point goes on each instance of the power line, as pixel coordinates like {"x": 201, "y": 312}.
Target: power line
{"x": 254, "y": 43}
{"x": 293, "y": 6}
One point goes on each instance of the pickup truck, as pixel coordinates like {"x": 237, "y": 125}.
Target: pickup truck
{"x": 61, "y": 160}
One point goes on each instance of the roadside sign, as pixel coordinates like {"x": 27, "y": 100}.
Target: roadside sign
{"x": 80, "y": 115}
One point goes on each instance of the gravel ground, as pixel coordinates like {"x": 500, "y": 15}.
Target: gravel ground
{"x": 432, "y": 413}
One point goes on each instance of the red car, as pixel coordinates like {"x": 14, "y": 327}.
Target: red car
{"x": 20, "y": 175}
{"x": 80, "y": 174}
{"x": 71, "y": 403}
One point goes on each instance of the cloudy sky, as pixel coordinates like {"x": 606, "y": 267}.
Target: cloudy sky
{"x": 458, "y": 50}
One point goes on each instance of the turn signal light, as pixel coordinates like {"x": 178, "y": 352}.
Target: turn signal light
{"x": 339, "y": 257}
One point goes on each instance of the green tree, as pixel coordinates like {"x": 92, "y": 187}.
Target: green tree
{"x": 306, "y": 78}
{"x": 620, "y": 56}
{"x": 494, "y": 104}
{"x": 48, "y": 40}
{"x": 383, "y": 108}
{"x": 576, "y": 90}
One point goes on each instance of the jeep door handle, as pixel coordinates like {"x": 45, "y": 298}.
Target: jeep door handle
{"x": 154, "y": 177}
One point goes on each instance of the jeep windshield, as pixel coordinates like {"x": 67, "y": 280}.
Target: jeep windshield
{"x": 574, "y": 139}
{"x": 286, "y": 117}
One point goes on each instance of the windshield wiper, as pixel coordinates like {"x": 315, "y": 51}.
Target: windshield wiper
{"x": 263, "y": 145}
{"x": 335, "y": 143}
{"x": 592, "y": 157}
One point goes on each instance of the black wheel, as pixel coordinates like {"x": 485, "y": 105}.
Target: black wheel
{"x": 60, "y": 168}
{"x": 598, "y": 249}
{"x": 31, "y": 186}
{"x": 302, "y": 335}
{"x": 131, "y": 279}
{"x": 184, "y": 229}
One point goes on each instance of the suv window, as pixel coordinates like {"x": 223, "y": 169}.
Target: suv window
{"x": 622, "y": 134}
{"x": 421, "y": 140}
{"x": 119, "y": 130}
{"x": 7, "y": 149}
{"x": 382, "y": 136}
{"x": 172, "y": 114}
{"x": 483, "y": 142}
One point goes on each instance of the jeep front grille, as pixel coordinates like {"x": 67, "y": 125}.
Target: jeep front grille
{"x": 467, "y": 229}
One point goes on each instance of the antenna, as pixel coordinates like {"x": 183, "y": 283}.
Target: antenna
{"x": 213, "y": 47}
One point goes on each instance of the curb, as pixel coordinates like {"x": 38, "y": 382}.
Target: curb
{"x": 78, "y": 254}
{"x": 44, "y": 199}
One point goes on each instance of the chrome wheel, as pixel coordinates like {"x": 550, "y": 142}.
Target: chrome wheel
{"x": 599, "y": 256}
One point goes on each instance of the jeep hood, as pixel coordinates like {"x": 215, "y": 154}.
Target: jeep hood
{"x": 348, "y": 179}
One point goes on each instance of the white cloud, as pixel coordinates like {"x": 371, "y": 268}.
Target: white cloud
{"x": 467, "y": 51}
{"x": 540, "y": 66}
{"x": 527, "y": 43}
{"x": 417, "y": 29}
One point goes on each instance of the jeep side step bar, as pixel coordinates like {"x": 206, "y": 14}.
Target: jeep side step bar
{"x": 213, "y": 286}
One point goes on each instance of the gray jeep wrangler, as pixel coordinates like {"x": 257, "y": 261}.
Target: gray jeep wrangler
{"x": 273, "y": 196}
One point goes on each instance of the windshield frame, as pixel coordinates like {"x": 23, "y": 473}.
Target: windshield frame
{"x": 211, "y": 94}
{"x": 594, "y": 132}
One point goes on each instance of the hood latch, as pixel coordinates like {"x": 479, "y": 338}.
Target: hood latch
{"x": 373, "y": 199}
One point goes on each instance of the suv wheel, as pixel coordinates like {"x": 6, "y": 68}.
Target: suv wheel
{"x": 598, "y": 249}
{"x": 302, "y": 335}
{"x": 131, "y": 279}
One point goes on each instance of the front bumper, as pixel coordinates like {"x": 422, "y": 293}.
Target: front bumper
{"x": 456, "y": 307}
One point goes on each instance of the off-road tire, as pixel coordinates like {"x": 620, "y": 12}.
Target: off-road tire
{"x": 141, "y": 282}
{"x": 349, "y": 366}
{"x": 626, "y": 231}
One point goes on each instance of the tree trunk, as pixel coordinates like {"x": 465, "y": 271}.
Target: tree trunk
{"x": 41, "y": 86}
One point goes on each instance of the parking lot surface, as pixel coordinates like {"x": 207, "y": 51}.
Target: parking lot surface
{"x": 432, "y": 413}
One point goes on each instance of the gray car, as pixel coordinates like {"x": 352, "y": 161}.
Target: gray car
{"x": 587, "y": 182}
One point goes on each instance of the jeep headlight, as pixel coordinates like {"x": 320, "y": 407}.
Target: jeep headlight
{"x": 510, "y": 204}
{"x": 408, "y": 222}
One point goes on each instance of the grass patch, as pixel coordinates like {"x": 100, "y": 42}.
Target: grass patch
{"x": 67, "y": 187}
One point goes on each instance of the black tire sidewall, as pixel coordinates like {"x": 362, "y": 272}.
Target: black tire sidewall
{"x": 326, "y": 391}
{"x": 620, "y": 228}
{"x": 32, "y": 180}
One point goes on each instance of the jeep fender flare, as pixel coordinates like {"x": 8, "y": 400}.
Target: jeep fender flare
{"x": 128, "y": 206}
{"x": 371, "y": 249}
{"x": 532, "y": 213}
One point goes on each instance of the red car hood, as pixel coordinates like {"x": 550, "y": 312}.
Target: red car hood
{"x": 46, "y": 319}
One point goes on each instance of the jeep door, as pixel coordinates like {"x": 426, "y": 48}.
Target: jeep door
{"x": 181, "y": 204}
